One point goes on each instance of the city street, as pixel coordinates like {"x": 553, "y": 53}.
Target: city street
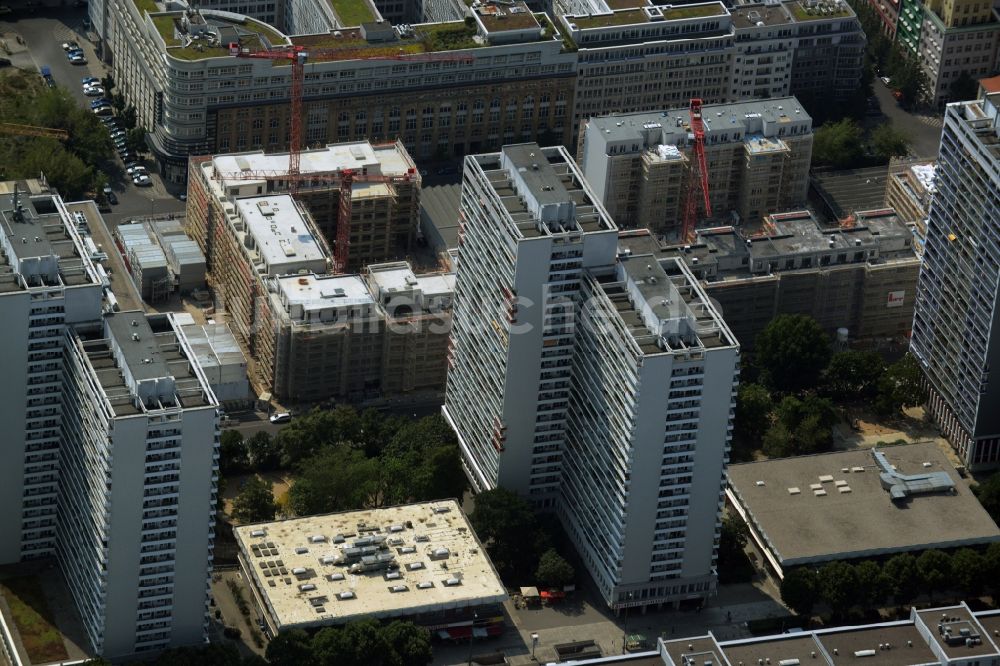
{"x": 43, "y": 34}
{"x": 922, "y": 130}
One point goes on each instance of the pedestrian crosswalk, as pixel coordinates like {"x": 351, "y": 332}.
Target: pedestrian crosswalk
{"x": 931, "y": 121}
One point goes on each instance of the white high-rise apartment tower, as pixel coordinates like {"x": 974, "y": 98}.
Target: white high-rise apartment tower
{"x": 956, "y": 322}
{"x": 592, "y": 381}
{"x": 111, "y": 444}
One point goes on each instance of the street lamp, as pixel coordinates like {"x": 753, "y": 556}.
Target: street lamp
{"x": 625, "y": 626}
{"x": 472, "y": 635}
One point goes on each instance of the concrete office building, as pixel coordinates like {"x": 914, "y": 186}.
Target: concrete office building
{"x": 384, "y": 211}
{"x": 640, "y": 56}
{"x": 956, "y": 323}
{"x": 417, "y": 562}
{"x": 943, "y": 636}
{"x": 314, "y": 336}
{"x": 757, "y": 155}
{"x": 501, "y": 85}
{"x": 564, "y": 404}
{"x": 139, "y": 483}
{"x": 950, "y": 38}
{"x": 861, "y": 504}
{"x": 861, "y": 278}
{"x": 110, "y": 406}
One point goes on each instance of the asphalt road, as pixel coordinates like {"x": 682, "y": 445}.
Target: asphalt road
{"x": 44, "y": 33}
{"x": 923, "y": 130}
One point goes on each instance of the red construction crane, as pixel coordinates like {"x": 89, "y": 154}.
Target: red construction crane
{"x": 298, "y": 56}
{"x": 698, "y": 177}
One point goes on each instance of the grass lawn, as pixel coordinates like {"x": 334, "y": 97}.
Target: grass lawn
{"x": 451, "y": 36}
{"x": 353, "y": 12}
{"x": 621, "y": 17}
{"x": 165, "y": 26}
{"x": 147, "y": 6}
{"x": 41, "y": 639}
{"x": 692, "y": 11}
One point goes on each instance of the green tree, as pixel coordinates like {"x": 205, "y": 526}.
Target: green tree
{"x": 553, "y": 570}
{"x": 838, "y": 145}
{"x": 838, "y": 586}
{"x": 901, "y": 385}
{"x": 410, "y": 643}
{"x": 792, "y": 351}
{"x": 430, "y": 465}
{"x": 853, "y": 375}
{"x": 968, "y": 570}
{"x": 991, "y": 567}
{"x": 873, "y": 585}
{"x": 255, "y": 503}
{"x": 289, "y": 648}
{"x": 965, "y": 87}
{"x": 509, "y": 528}
{"x": 232, "y": 452}
{"x": 337, "y": 479}
{"x": 988, "y": 494}
{"x": 734, "y": 566}
{"x": 803, "y": 426}
{"x": 754, "y": 405}
{"x": 263, "y": 452}
{"x": 354, "y": 644}
{"x": 135, "y": 139}
{"x": 901, "y": 571}
{"x": 888, "y": 142}
{"x": 933, "y": 567}
{"x": 309, "y": 433}
{"x": 129, "y": 117}
{"x": 800, "y": 590}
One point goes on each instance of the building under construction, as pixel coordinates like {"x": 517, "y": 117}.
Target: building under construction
{"x": 858, "y": 276}
{"x": 385, "y": 197}
{"x": 756, "y": 152}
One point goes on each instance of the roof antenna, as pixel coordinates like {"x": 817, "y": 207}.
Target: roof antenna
{"x": 18, "y": 212}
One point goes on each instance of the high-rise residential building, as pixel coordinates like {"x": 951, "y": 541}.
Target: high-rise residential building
{"x": 757, "y": 155}
{"x": 597, "y": 383}
{"x": 139, "y": 481}
{"x": 956, "y": 323}
{"x": 48, "y": 283}
{"x": 110, "y": 418}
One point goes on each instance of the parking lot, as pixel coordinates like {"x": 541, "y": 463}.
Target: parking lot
{"x": 42, "y": 34}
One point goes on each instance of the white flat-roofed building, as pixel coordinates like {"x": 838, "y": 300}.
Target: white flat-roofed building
{"x": 419, "y": 562}
{"x": 138, "y": 485}
{"x": 599, "y": 385}
{"x": 282, "y": 241}
{"x": 325, "y": 298}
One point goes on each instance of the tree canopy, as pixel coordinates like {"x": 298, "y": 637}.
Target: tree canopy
{"x": 800, "y": 590}
{"x": 553, "y": 570}
{"x": 255, "y": 503}
{"x": 510, "y": 530}
{"x": 361, "y": 643}
{"x": 838, "y": 144}
{"x": 803, "y": 426}
{"x": 901, "y": 385}
{"x": 988, "y": 494}
{"x": 888, "y": 142}
{"x": 792, "y": 351}
{"x": 853, "y": 375}
{"x": 71, "y": 165}
{"x": 754, "y": 405}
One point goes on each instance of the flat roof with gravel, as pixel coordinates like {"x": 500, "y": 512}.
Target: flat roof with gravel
{"x": 381, "y": 563}
{"x": 834, "y": 506}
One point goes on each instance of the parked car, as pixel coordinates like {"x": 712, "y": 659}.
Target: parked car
{"x": 103, "y": 111}
{"x": 109, "y": 194}
{"x": 281, "y": 417}
{"x": 885, "y": 79}
{"x": 142, "y": 180}
{"x": 4, "y": 62}
{"x": 77, "y": 59}
{"x": 88, "y": 80}
{"x": 93, "y": 91}
{"x": 70, "y": 46}
{"x": 47, "y": 75}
